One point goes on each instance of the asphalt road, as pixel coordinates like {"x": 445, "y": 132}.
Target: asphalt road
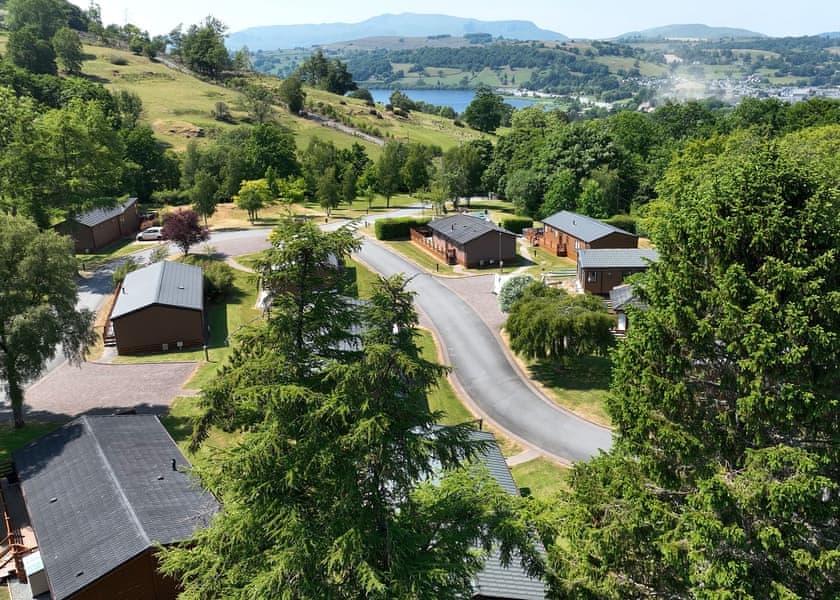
{"x": 484, "y": 372}
{"x": 479, "y": 364}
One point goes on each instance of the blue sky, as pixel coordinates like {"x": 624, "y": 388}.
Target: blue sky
{"x": 593, "y": 18}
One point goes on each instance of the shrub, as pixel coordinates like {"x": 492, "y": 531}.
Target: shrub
{"x": 512, "y": 290}
{"x": 397, "y": 229}
{"x": 120, "y": 61}
{"x": 625, "y": 222}
{"x": 218, "y": 279}
{"x": 124, "y": 268}
{"x": 516, "y": 224}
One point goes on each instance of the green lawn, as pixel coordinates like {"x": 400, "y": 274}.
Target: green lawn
{"x": 11, "y": 439}
{"x": 123, "y": 247}
{"x": 179, "y": 423}
{"x": 581, "y": 385}
{"x": 424, "y": 259}
{"x": 545, "y": 262}
{"x": 543, "y": 477}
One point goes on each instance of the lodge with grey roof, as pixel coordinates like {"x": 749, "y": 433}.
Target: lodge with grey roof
{"x": 565, "y": 233}
{"x": 600, "y": 270}
{"x": 101, "y": 493}
{"x": 101, "y": 226}
{"x": 160, "y": 308}
{"x": 466, "y": 240}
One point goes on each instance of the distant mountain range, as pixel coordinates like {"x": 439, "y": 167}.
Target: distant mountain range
{"x": 273, "y": 37}
{"x": 830, "y": 35}
{"x": 691, "y": 31}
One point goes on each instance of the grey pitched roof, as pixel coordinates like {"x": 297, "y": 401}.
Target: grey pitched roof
{"x": 167, "y": 283}
{"x": 101, "y": 490}
{"x": 495, "y": 580}
{"x": 463, "y": 228}
{"x": 617, "y": 258}
{"x": 100, "y": 215}
{"x": 582, "y": 227}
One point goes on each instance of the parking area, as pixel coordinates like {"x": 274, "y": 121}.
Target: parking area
{"x": 69, "y": 391}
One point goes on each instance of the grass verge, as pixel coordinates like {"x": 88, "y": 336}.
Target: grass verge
{"x": 11, "y": 439}
{"x": 580, "y": 386}
{"x": 544, "y": 478}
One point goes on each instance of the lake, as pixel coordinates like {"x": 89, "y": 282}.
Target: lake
{"x": 457, "y": 99}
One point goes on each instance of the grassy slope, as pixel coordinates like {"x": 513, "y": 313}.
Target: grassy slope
{"x": 178, "y": 105}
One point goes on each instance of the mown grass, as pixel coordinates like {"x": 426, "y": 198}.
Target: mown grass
{"x": 580, "y": 385}
{"x": 11, "y": 439}
{"x": 544, "y": 479}
{"x": 545, "y": 262}
{"x": 424, "y": 259}
{"x": 118, "y": 249}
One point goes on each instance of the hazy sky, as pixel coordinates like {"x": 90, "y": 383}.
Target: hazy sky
{"x": 593, "y": 18}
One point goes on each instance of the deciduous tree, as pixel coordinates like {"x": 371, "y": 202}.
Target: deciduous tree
{"x": 182, "y": 228}
{"x": 549, "y": 323}
{"x": 253, "y": 196}
{"x": 38, "y": 313}
{"x": 68, "y": 50}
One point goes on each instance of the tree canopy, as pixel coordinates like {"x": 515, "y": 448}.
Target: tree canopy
{"x": 361, "y": 493}
{"x": 724, "y": 475}
{"x": 38, "y": 314}
{"x": 182, "y": 228}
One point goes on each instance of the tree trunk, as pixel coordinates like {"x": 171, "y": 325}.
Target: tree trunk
{"x": 15, "y": 395}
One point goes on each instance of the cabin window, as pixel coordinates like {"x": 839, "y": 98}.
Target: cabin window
{"x": 591, "y": 276}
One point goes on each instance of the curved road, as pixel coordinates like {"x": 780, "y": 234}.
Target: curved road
{"x": 479, "y": 364}
{"x": 484, "y": 372}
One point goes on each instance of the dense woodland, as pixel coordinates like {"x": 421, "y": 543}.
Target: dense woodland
{"x": 723, "y": 481}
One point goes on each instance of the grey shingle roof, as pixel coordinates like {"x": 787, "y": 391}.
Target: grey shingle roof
{"x": 582, "y": 227}
{"x": 101, "y": 490}
{"x": 100, "y": 215}
{"x": 495, "y": 580}
{"x": 464, "y": 228}
{"x": 617, "y": 258}
{"x": 167, "y": 283}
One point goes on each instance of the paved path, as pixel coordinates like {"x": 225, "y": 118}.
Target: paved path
{"x": 486, "y": 374}
{"x": 69, "y": 391}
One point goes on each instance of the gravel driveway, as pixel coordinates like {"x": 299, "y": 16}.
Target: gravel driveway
{"x": 70, "y": 391}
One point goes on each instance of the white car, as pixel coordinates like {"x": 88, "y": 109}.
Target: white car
{"x": 150, "y": 233}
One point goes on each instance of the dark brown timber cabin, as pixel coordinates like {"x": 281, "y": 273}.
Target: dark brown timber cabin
{"x": 160, "y": 308}
{"x": 102, "y": 226}
{"x": 101, "y": 493}
{"x": 467, "y": 240}
{"x": 600, "y": 270}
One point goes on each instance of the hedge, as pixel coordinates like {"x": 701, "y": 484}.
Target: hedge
{"x": 625, "y": 222}
{"x": 516, "y": 224}
{"x": 397, "y": 229}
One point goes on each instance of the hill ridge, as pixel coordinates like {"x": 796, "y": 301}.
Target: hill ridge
{"x": 273, "y": 37}
{"x": 691, "y": 30}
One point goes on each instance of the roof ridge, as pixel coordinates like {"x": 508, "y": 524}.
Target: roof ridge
{"x": 113, "y": 476}
{"x": 159, "y": 283}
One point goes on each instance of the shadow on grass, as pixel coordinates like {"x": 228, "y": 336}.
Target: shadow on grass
{"x": 578, "y": 373}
